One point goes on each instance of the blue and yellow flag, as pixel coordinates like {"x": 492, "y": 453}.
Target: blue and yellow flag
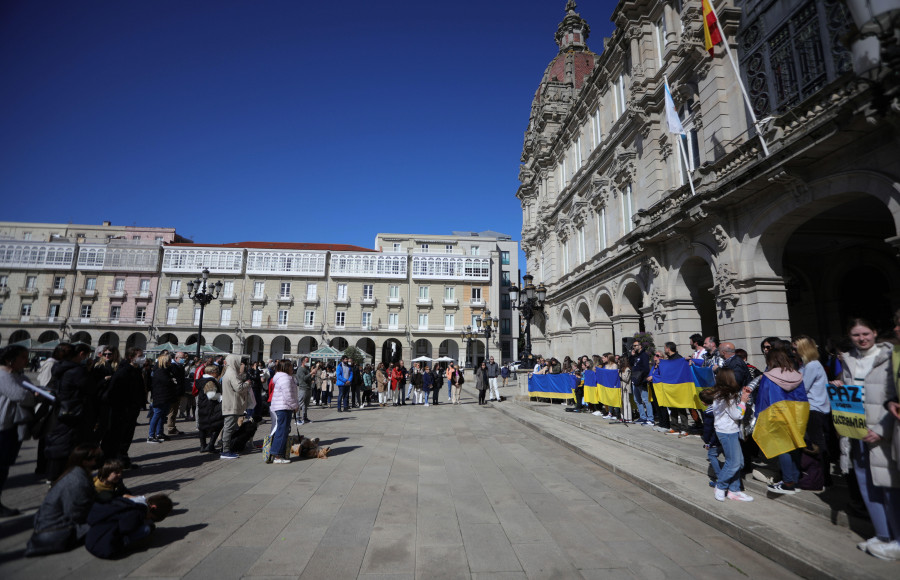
{"x": 781, "y": 418}
{"x": 609, "y": 389}
{"x": 590, "y": 387}
{"x": 552, "y": 386}
{"x": 674, "y": 386}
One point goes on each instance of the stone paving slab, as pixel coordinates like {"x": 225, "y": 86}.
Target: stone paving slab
{"x": 800, "y": 541}
{"x": 413, "y": 492}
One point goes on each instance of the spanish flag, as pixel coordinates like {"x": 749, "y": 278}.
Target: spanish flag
{"x": 609, "y": 389}
{"x": 781, "y": 418}
{"x": 590, "y": 387}
{"x": 711, "y": 33}
{"x": 674, "y": 386}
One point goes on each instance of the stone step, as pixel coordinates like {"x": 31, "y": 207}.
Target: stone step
{"x": 794, "y": 538}
{"x": 830, "y": 504}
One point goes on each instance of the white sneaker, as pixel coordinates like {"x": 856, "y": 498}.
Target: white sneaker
{"x": 597, "y": 414}
{"x": 720, "y": 494}
{"x": 280, "y": 460}
{"x": 873, "y": 541}
{"x": 885, "y": 550}
{"x": 426, "y": 404}
{"x": 739, "y": 496}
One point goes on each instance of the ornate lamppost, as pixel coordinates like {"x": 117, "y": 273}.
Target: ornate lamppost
{"x": 467, "y": 336}
{"x": 200, "y": 293}
{"x": 486, "y": 326}
{"x": 527, "y": 301}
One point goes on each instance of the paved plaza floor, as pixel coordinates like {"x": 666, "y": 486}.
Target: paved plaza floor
{"x": 411, "y": 492}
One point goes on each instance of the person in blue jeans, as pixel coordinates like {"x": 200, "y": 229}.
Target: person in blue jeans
{"x": 729, "y": 405}
{"x": 640, "y": 370}
{"x": 163, "y": 388}
{"x": 710, "y": 441}
{"x": 343, "y": 380}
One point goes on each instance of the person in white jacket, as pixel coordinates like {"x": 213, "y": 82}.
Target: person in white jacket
{"x": 285, "y": 401}
{"x": 729, "y": 404}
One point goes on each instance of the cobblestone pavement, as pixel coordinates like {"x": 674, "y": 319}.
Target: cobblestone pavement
{"x": 412, "y": 492}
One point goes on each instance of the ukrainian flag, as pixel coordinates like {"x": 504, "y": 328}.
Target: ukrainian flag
{"x": 590, "y": 387}
{"x": 781, "y": 418}
{"x": 552, "y": 386}
{"x": 609, "y": 389}
{"x": 674, "y": 386}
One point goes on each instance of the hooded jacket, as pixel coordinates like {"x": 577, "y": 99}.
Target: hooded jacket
{"x": 235, "y": 387}
{"x": 787, "y": 379}
{"x": 879, "y": 387}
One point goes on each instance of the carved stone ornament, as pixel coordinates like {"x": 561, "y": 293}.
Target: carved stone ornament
{"x": 623, "y": 169}
{"x": 600, "y": 186}
{"x": 792, "y": 184}
{"x": 665, "y": 146}
{"x": 725, "y": 290}
{"x": 656, "y": 302}
{"x": 721, "y": 237}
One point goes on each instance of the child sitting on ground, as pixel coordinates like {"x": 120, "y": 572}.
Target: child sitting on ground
{"x": 108, "y": 482}
{"x": 729, "y": 404}
{"x": 123, "y": 521}
{"x": 710, "y": 441}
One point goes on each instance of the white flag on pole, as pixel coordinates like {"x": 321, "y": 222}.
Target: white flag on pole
{"x": 675, "y": 125}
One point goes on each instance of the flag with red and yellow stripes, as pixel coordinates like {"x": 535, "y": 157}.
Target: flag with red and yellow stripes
{"x": 711, "y": 33}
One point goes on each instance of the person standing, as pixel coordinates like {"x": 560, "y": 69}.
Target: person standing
{"x": 235, "y": 400}
{"x": 381, "y": 383}
{"x": 162, "y": 391}
{"x": 284, "y": 404}
{"x": 355, "y": 386}
{"x": 640, "y": 370}
{"x": 15, "y": 400}
{"x": 868, "y": 365}
{"x": 437, "y": 381}
{"x": 126, "y": 397}
{"x": 453, "y": 376}
{"x": 71, "y": 384}
{"x": 493, "y": 373}
{"x": 427, "y": 382}
{"x": 176, "y": 369}
{"x": 305, "y": 385}
{"x": 343, "y": 379}
{"x": 481, "y": 382}
{"x": 368, "y": 378}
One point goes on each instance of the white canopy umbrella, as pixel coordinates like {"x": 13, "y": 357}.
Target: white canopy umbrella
{"x": 445, "y": 359}
{"x": 422, "y": 359}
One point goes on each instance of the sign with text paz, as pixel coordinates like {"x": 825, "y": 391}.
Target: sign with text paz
{"x": 848, "y": 413}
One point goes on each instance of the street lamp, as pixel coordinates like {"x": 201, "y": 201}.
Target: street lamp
{"x": 528, "y": 301}
{"x": 198, "y": 292}
{"x": 467, "y": 336}
{"x": 487, "y": 326}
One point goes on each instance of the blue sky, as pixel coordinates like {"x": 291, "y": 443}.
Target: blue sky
{"x": 273, "y": 120}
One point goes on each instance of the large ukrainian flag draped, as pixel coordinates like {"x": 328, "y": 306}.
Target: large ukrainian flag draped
{"x": 590, "y": 387}
{"x": 781, "y": 418}
{"x": 609, "y": 388}
{"x": 674, "y": 386}
{"x": 552, "y": 386}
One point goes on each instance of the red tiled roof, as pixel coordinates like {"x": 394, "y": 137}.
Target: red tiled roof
{"x": 280, "y": 246}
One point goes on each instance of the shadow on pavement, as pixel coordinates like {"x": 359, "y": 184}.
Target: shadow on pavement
{"x": 342, "y": 450}
{"x": 163, "y": 536}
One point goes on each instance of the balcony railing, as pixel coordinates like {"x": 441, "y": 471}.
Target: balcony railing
{"x": 118, "y": 295}
{"x": 176, "y": 297}
{"x": 423, "y": 301}
{"x": 368, "y": 301}
{"x": 285, "y": 298}
{"x": 476, "y": 303}
{"x": 312, "y": 300}
{"x": 258, "y": 298}
{"x": 341, "y": 300}
{"x": 28, "y": 291}
{"x": 87, "y": 292}
{"x": 440, "y": 251}
{"x": 394, "y": 301}
{"x": 55, "y": 292}
{"x": 451, "y": 302}
{"x": 144, "y": 295}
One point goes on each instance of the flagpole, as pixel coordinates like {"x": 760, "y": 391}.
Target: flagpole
{"x": 737, "y": 73}
{"x": 687, "y": 166}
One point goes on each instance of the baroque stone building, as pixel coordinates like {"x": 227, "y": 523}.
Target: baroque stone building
{"x": 791, "y": 242}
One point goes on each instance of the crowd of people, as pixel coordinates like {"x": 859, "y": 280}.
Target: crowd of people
{"x": 796, "y": 371}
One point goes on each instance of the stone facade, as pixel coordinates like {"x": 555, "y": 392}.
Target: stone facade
{"x": 793, "y": 242}
{"x": 410, "y": 297}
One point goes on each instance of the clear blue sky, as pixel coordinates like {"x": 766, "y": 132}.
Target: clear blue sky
{"x": 274, "y": 120}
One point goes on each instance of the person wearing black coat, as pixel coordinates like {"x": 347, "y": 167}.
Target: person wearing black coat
{"x": 355, "y": 386}
{"x": 209, "y": 409}
{"x": 437, "y": 376}
{"x": 117, "y": 524}
{"x": 163, "y": 387}
{"x": 74, "y": 419}
{"x": 125, "y": 398}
